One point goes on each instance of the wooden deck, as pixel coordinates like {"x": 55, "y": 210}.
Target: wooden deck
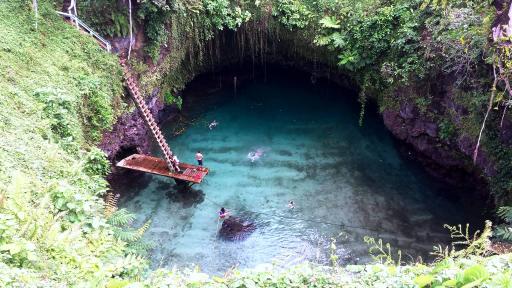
{"x": 149, "y": 164}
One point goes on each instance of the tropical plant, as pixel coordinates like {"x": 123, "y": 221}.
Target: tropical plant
{"x": 121, "y": 221}
{"x": 504, "y": 231}
{"x": 382, "y": 253}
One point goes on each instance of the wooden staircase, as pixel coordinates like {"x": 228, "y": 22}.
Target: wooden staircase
{"x": 148, "y": 117}
{"x": 181, "y": 172}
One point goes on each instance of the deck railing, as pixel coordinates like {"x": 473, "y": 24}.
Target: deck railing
{"x": 88, "y": 29}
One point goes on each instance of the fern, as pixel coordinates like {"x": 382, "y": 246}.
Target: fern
{"x": 476, "y": 244}
{"x": 126, "y": 235}
{"x": 121, "y": 218}
{"x": 143, "y": 229}
{"x": 110, "y": 204}
{"x": 140, "y": 247}
{"x": 504, "y": 232}
{"x": 505, "y": 213}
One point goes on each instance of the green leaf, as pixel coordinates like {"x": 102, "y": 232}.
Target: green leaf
{"x": 423, "y": 280}
{"x": 474, "y": 274}
{"x": 117, "y": 283}
{"x": 330, "y": 22}
{"x": 450, "y": 283}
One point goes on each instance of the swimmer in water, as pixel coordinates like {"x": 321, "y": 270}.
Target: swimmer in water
{"x": 255, "y": 155}
{"x": 223, "y": 213}
{"x": 291, "y": 204}
{"x": 213, "y": 124}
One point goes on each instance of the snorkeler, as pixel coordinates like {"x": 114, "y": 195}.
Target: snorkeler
{"x": 213, "y": 124}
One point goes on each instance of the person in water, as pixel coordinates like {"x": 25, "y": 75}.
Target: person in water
{"x": 199, "y": 158}
{"x": 291, "y": 204}
{"x": 223, "y": 213}
{"x": 213, "y": 124}
{"x": 255, "y": 155}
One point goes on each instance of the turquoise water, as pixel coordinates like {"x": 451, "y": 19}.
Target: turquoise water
{"x": 346, "y": 181}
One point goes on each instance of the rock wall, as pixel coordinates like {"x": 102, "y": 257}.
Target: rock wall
{"x": 446, "y": 158}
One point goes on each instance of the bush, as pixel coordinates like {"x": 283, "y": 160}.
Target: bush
{"x": 96, "y": 163}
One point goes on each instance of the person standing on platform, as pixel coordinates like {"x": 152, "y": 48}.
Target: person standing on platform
{"x": 177, "y": 161}
{"x": 199, "y": 158}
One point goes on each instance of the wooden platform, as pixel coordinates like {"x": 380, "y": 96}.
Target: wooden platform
{"x": 153, "y": 165}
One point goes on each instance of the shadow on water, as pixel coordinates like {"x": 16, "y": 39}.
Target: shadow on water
{"x": 187, "y": 196}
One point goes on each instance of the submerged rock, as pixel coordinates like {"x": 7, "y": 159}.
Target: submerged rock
{"x": 236, "y": 229}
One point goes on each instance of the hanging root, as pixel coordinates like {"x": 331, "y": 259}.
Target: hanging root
{"x": 489, "y": 107}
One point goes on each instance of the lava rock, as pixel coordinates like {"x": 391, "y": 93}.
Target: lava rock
{"x": 236, "y": 229}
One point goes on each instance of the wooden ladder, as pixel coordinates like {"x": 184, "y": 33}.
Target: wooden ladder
{"x": 148, "y": 117}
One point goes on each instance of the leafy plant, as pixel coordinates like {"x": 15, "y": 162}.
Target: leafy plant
{"x": 477, "y": 244}
{"x": 121, "y": 221}
{"x": 504, "y": 231}
{"x": 60, "y": 110}
{"x": 382, "y": 252}
{"x": 446, "y": 130}
{"x": 96, "y": 109}
{"x": 96, "y": 163}
{"x": 170, "y": 99}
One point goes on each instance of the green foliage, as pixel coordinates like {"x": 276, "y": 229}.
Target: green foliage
{"x": 470, "y": 245}
{"x": 51, "y": 230}
{"x": 121, "y": 221}
{"x": 504, "y": 231}
{"x": 223, "y": 13}
{"x": 58, "y": 90}
{"x": 170, "y": 99}
{"x": 293, "y": 14}
{"x": 61, "y": 110}
{"x": 384, "y": 39}
{"x": 382, "y": 253}
{"x": 109, "y": 18}
{"x": 96, "y": 163}
{"x": 447, "y": 130}
{"x": 97, "y": 109}
{"x": 155, "y": 20}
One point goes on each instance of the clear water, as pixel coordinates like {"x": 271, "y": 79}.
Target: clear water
{"x": 346, "y": 181}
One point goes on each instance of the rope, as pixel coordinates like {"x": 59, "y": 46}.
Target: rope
{"x": 300, "y": 219}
